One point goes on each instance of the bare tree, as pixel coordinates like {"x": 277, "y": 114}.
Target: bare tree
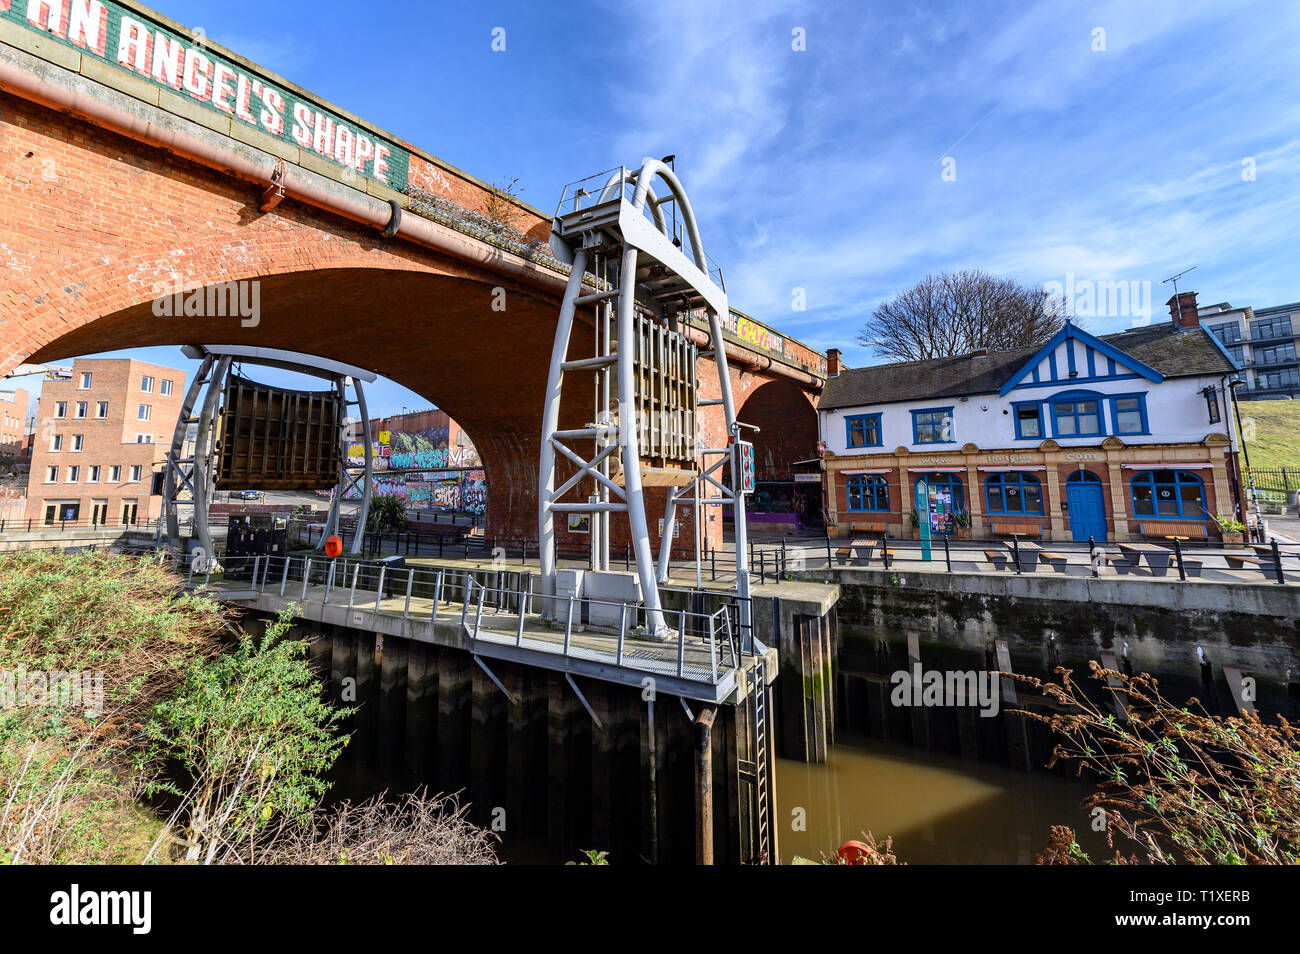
{"x": 956, "y": 313}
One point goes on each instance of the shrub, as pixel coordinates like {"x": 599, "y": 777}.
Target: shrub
{"x": 387, "y": 513}
{"x": 1178, "y": 785}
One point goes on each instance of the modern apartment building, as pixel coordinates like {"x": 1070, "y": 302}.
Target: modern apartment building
{"x": 100, "y": 438}
{"x": 13, "y": 421}
{"x": 1265, "y": 342}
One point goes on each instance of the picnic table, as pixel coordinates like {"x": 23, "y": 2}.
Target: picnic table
{"x": 1029, "y": 552}
{"x": 1157, "y": 557}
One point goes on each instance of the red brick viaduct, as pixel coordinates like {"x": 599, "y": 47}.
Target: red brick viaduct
{"x": 124, "y": 178}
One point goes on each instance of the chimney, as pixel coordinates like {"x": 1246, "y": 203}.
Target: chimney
{"x": 1182, "y": 308}
{"x": 832, "y": 362}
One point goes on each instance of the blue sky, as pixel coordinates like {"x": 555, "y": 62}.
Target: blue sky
{"x": 822, "y": 169}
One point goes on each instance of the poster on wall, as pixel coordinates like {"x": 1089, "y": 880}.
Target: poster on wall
{"x": 940, "y": 510}
{"x": 580, "y": 523}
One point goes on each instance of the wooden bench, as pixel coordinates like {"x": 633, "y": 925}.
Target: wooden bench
{"x": 1008, "y": 528}
{"x": 1055, "y": 560}
{"x": 997, "y": 557}
{"x": 872, "y": 528}
{"x": 1235, "y": 562}
{"x": 871, "y": 547}
{"x": 1120, "y": 562}
{"x": 1174, "y": 530}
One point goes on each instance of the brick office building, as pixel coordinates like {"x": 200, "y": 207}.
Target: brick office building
{"x": 100, "y": 438}
{"x": 13, "y": 421}
{"x": 1114, "y": 437}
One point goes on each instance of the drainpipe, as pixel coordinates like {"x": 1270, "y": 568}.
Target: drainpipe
{"x": 704, "y": 785}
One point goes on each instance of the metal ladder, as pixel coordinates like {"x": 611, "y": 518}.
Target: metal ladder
{"x": 762, "y": 788}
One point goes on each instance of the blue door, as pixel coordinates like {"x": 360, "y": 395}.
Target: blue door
{"x": 1087, "y": 508}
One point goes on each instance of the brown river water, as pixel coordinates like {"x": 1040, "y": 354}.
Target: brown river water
{"x": 939, "y": 808}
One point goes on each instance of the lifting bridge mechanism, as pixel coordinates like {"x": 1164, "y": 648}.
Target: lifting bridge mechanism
{"x": 643, "y": 277}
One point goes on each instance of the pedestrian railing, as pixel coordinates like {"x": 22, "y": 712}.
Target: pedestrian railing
{"x": 501, "y": 606}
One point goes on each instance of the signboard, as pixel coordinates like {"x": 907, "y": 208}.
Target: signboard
{"x": 188, "y": 67}
{"x": 807, "y": 478}
{"x": 923, "y": 516}
{"x": 580, "y": 523}
{"x": 745, "y": 466}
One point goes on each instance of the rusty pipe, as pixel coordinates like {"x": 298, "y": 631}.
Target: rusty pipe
{"x": 259, "y": 168}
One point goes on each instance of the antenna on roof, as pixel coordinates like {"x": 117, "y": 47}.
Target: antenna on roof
{"x": 1174, "y": 279}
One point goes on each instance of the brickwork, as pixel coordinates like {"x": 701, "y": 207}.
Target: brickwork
{"x": 13, "y": 421}
{"x": 95, "y": 451}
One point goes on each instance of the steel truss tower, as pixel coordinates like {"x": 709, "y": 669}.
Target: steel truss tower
{"x": 196, "y": 472}
{"x": 632, "y": 267}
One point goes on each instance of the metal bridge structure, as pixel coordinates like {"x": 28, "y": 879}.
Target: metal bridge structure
{"x": 288, "y": 439}
{"x": 643, "y": 276}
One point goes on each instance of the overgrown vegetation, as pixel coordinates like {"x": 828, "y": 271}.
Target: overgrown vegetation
{"x": 233, "y": 740}
{"x": 1176, "y": 785}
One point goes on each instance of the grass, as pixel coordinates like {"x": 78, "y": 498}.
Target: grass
{"x": 1275, "y": 426}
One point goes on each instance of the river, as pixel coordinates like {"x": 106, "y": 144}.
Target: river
{"x": 939, "y": 808}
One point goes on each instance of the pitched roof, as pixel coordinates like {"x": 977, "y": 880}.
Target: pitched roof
{"x": 1172, "y": 351}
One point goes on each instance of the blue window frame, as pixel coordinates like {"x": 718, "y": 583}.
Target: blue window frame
{"x": 1168, "y": 494}
{"x": 1013, "y": 492}
{"x": 1029, "y": 421}
{"x": 933, "y": 426}
{"x": 1077, "y": 415}
{"x": 1129, "y": 412}
{"x": 869, "y": 493}
{"x": 863, "y": 430}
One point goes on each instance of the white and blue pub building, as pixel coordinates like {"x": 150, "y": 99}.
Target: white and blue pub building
{"x": 1116, "y": 437}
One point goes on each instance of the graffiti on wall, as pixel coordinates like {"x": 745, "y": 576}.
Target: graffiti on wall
{"x": 465, "y": 491}
{"x": 425, "y": 450}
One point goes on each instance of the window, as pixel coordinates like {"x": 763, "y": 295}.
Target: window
{"x": 62, "y": 511}
{"x": 1276, "y": 354}
{"x": 93, "y": 477}
{"x": 56, "y": 442}
{"x": 51, "y": 474}
{"x": 144, "y": 438}
{"x": 101, "y": 410}
{"x": 932, "y": 426}
{"x": 1130, "y": 413}
{"x": 1263, "y": 328}
{"x": 85, "y": 380}
{"x": 1077, "y": 418}
{"x": 864, "y": 430}
{"x": 81, "y": 409}
{"x": 74, "y": 474}
{"x": 146, "y": 384}
{"x": 1013, "y": 492}
{"x": 77, "y": 441}
{"x": 115, "y": 473}
{"x": 135, "y": 473}
{"x": 1274, "y": 380}
{"x": 144, "y": 412}
{"x": 869, "y": 493}
{"x": 1227, "y": 333}
{"x": 1168, "y": 493}
{"x": 61, "y": 409}
{"x": 1029, "y": 421}
{"x": 165, "y": 387}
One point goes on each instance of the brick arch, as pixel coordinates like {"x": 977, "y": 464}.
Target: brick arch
{"x": 787, "y": 418}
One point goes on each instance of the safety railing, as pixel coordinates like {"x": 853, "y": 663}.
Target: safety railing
{"x": 1184, "y": 560}
{"x": 499, "y": 605}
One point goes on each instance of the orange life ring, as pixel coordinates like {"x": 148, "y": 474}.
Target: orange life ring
{"x": 333, "y": 547}
{"x": 855, "y": 853}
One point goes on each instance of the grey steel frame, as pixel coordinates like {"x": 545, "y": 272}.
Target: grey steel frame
{"x": 619, "y": 224}
{"x": 196, "y": 473}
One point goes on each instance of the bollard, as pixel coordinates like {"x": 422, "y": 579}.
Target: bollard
{"x": 1178, "y": 555}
